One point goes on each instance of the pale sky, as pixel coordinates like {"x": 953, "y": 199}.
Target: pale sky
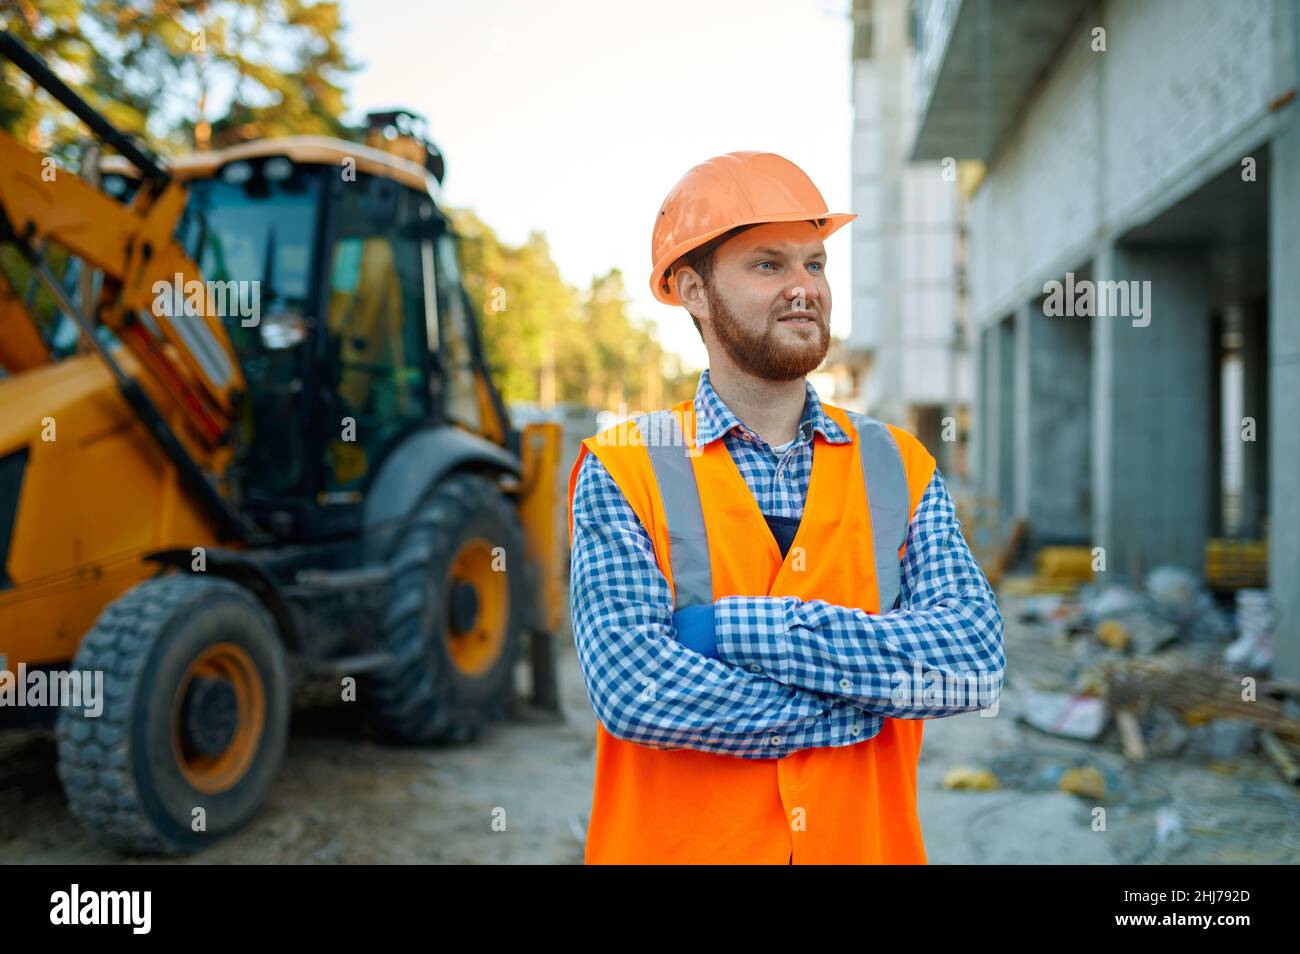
{"x": 576, "y": 117}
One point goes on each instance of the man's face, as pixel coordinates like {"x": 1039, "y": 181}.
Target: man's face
{"x": 769, "y": 301}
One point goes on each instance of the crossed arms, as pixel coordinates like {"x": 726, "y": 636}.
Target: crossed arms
{"x": 791, "y": 674}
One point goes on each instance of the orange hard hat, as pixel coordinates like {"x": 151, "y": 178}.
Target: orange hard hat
{"x": 740, "y": 188}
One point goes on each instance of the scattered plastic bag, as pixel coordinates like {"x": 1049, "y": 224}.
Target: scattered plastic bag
{"x": 1169, "y": 824}
{"x": 1115, "y": 600}
{"x": 1066, "y": 715}
{"x": 1252, "y": 651}
{"x": 1176, "y": 592}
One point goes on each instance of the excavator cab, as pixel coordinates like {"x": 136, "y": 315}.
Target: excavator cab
{"x": 363, "y": 332}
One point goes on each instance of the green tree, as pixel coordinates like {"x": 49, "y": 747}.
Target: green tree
{"x": 521, "y": 300}
{"x": 548, "y": 343}
{"x": 182, "y": 74}
{"x": 52, "y": 31}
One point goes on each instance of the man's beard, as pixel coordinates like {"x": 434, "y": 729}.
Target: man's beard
{"x": 762, "y": 354}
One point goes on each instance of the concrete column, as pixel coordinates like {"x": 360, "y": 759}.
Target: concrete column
{"x": 1022, "y": 384}
{"x": 1254, "y": 404}
{"x": 1284, "y": 393}
{"x": 979, "y": 414}
{"x": 994, "y": 434}
{"x": 995, "y": 425}
{"x": 1053, "y": 477}
{"x": 989, "y": 431}
{"x": 1102, "y": 418}
{"x": 1005, "y": 419}
{"x": 1152, "y": 413}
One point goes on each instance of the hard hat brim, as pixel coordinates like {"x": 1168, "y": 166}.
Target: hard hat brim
{"x": 661, "y": 283}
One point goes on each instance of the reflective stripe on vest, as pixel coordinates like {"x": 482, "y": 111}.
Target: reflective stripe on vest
{"x": 883, "y": 476}
{"x": 688, "y": 544}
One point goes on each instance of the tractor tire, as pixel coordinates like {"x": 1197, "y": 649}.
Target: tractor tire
{"x": 454, "y": 619}
{"x": 195, "y": 715}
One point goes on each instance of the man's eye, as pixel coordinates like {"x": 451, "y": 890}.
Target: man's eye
{"x": 767, "y": 263}
{"x": 817, "y": 265}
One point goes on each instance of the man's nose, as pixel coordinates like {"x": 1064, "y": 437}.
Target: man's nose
{"x": 802, "y": 291}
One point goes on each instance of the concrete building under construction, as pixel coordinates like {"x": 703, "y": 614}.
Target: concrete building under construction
{"x": 1134, "y": 269}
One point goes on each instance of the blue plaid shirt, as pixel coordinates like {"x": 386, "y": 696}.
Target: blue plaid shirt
{"x": 791, "y": 674}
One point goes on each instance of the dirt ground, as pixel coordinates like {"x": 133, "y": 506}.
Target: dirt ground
{"x": 344, "y": 798}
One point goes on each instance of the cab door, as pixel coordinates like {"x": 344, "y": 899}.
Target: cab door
{"x": 377, "y": 350}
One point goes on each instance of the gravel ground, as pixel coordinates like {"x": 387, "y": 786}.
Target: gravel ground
{"x": 344, "y": 798}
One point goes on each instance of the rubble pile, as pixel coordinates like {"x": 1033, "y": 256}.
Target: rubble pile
{"x": 1167, "y": 666}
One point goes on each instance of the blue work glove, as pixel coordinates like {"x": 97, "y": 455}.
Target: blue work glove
{"x": 694, "y": 626}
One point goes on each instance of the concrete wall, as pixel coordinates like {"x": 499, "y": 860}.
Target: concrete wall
{"x": 1110, "y": 137}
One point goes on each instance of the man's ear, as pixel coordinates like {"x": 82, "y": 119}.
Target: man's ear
{"x": 690, "y": 291}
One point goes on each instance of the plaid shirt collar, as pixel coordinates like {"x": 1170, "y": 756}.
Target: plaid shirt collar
{"x": 713, "y": 418}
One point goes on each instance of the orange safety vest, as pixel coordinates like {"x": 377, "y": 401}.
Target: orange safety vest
{"x": 853, "y": 804}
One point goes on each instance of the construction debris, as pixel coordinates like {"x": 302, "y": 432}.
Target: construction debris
{"x": 1115, "y": 601}
{"x": 1234, "y": 564}
{"x": 1084, "y": 780}
{"x": 1066, "y": 715}
{"x": 1058, "y": 570}
{"x": 973, "y": 779}
{"x": 1125, "y": 619}
{"x": 1169, "y": 824}
{"x": 1067, "y": 567}
{"x": 1147, "y": 635}
{"x": 1166, "y": 701}
{"x": 1130, "y": 736}
{"x": 1283, "y": 756}
{"x": 1252, "y": 651}
{"x": 1199, "y": 694}
{"x": 1181, "y": 599}
{"x": 1222, "y": 739}
{"x": 1040, "y": 609}
{"x": 1165, "y": 734}
{"x": 1175, "y": 605}
{"x": 1176, "y": 592}
{"x": 1113, "y": 634}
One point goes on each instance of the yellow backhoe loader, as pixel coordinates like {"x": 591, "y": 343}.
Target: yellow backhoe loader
{"x": 248, "y": 437}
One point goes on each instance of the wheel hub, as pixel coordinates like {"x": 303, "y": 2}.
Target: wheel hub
{"x": 464, "y": 606}
{"x": 209, "y": 715}
{"x": 477, "y": 607}
{"x": 218, "y": 717}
